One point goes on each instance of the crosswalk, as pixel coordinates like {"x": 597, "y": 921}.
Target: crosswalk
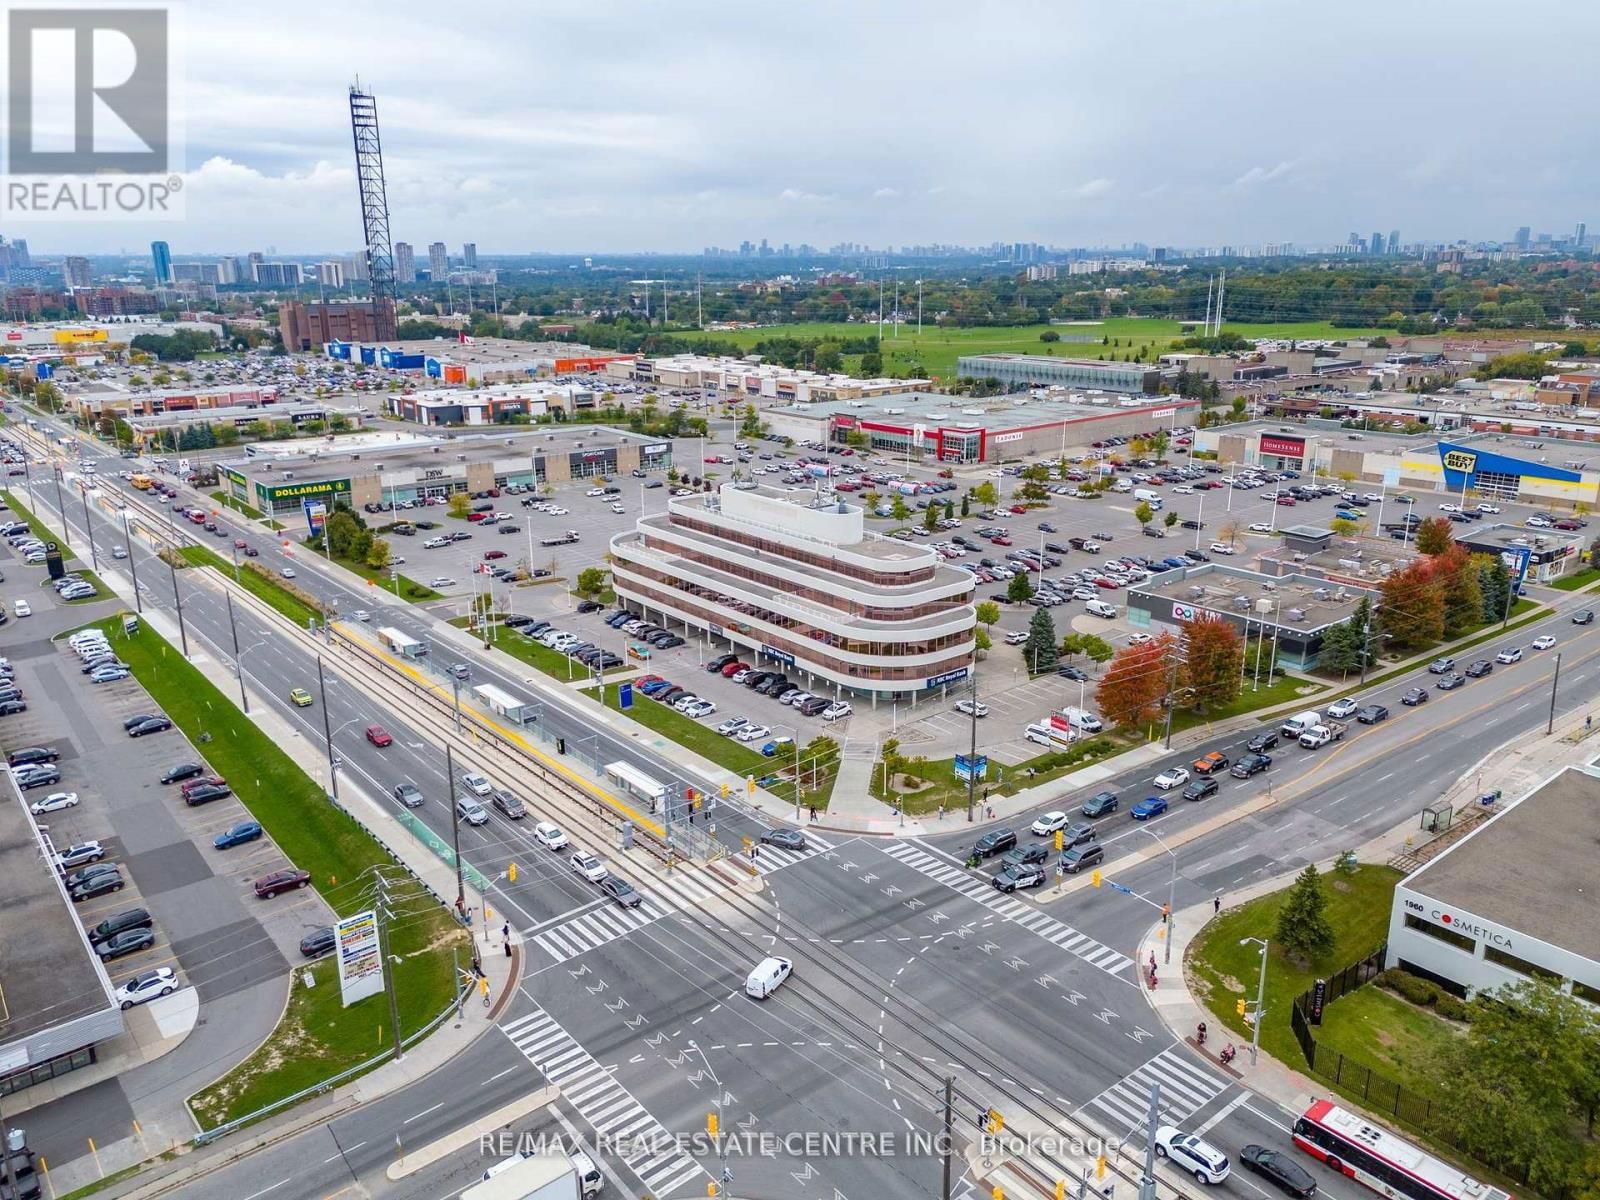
{"x": 1028, "y": 916}
{"x": 617, "y": 1117}
{"x": 684, "y": 890}
{"x": 774, "y": 858}
{"x": 1185, "y": 1089}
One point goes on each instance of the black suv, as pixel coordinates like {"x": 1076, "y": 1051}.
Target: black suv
{"x": 508, "y": 804}
{"x": 1030, "y": 855}
{"x": 31, "y": 755}
{"x": 1479, "y": 669}
{"x": 996, "y": 841}
{"x": 1099, "y": 804}
{"x": 128, "y": 918}
{"x": 1262, "y": 742}
{"x": 206, "y": 793}
{"x": 1199, "y": 789}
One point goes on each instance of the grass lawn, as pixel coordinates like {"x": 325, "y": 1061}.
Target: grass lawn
{"x": 1222, "y": 970}
{"x": 709, "y": 744}
{"x": 551, "y": 662}
{"x": 1378, "y": 1029}
{"x": 1280, "y": 691}
{"x": 410, "y": 589}
{"x": 239, "y": 506}
{"x": 936, "y": 350}
{"x": 41, "y": 531}
{"x": 1578, "y": 579}
{"x": 1003, "y": 780}
{"x": 102, "y": 592}
{"x": 257, "y": 585}
{"x": 318, "y": 1037}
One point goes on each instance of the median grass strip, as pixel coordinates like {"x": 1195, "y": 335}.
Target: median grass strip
{"x": 410, "y": 589}
{"x": 40, "y": 530}
{"x": 101, "y": 591}
{"x": 317, "y": 1037}
{"x": 551, "y": 662}
{"x": 1222, "y": 971}
{"x": 258, "y": 585}
{"x": 1577, "y": 580}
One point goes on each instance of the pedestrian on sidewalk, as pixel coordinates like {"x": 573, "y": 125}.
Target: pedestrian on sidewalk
{"x": 505, "y": 931}
{"x": 507, "y": 944}
{"x": 1216, "y": 905}
{"x": 813, "y": 812}
{"x": 941, "y": 812}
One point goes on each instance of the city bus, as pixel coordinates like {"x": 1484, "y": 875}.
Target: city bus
{"x": 1352, "y": 1145}
{"x": 631, "y": 781}
{"x": 398, "y": 643}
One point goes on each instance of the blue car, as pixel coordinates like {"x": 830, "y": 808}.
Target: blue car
{"x": 1174, "y": 563}
{"x": 660, "y": 685}
{"x": 244, "y": 831}
{"x": 1344, "y": 514}
{"x": 1150, "y": 806}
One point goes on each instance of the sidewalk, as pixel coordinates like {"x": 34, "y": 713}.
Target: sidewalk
{"x": 1515, "y": 769}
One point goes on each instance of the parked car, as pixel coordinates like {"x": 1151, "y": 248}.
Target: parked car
{"x": 237, "y": 835}
{"x": 286, "y": 880}
{"x": 146, "y": 986}
{"x": 318, "y": 942}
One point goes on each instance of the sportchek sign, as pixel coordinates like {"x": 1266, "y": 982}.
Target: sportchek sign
{"x": 1284, "y": 447}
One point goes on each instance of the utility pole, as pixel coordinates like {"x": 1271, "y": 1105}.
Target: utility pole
{"x": 88, "y": 528}
{"x": 1147, "y": 1182}
{"x": 972, "y": 752}
{"x": 1222, "y": 290}
{"x": 949, "y": 1133}
{"x": 327, "y": 731}
{"x": 455, "y": 827}
{"x": 133, "y": 564}
{"x": 384, "y": 916}
{"x": 1211, "y": 282}
{"x": 1550, "y": 725}
{"x": 172, "y": 564}
{"x": 238, "y": 664}
{"x": 1172, "y": 699}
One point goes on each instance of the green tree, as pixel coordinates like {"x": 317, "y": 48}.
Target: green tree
{"x": 1303, "y": 929}
{"x": 871, "y": 366}
{"x": 1494, "y": 585}
{"x": 1097, "y": 648}
{"x": 981, "y": 639}
{"x": 377, "y": 554}
{"x": 1019, "y": 588}
{"x": 1213, "y": 653}
{"x": 930, "y": 518}
{"x": 985, "y": 494}
{"x": 1049, "y": 335}
{"x": 1341, "y": 645}
{"x": 591, "y": 581}
{"x": 749, "y": 421}
{"x": 966, "y": 506}
{"x": 898, "y": 508}
{"x": 988, "y": 612}
{"x": 857, "y": 440}
{"x": 459, "y": 506}
{"x": 1343, "y": 526}
{"x": 1170, "y": 520}
{"x": 1434, "y": 536}
{"x": 1159, "y": 442}
{"x": 828, "y": 359}
{"x": 818, "y": 760}
{"x": 1039, "y": 651}
{"x": 1143, "y": 513}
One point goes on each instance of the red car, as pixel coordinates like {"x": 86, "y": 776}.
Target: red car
{"x": 1019, "y": 509}
{"x": 239, "y": 543}
{"x": 476, "y": 516}
{"x": 733, "y": 668}
{"x": 204, "y": 781}
{"x": 1000, "y": 539}
{"x": 490, "y": 555}
{"x": 644, "y": 679}
{"x": 281, "y": 881}
{"x": 1286, "y": 501}
{"x": 1103, "y": 582}
{"x": 379, "y": 736}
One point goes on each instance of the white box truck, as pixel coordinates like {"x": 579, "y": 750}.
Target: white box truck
{"x": 535, "y": 1177}
{"x": 1299, "y": 723}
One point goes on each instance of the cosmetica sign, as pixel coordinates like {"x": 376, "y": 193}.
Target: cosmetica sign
{"x": 1464, "y": 461}
{"x": 1466, "y": 926}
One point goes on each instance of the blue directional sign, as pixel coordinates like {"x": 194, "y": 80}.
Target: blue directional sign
{"x": 625, "y": 695}
{"x": 1118, "y": 887}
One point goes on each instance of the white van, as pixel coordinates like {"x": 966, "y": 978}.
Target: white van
{"x": 1101, "y": 609}
{"x": 767, "y": 977}
{"x": 1147, "y": 496}
{"x": 1300, "y": 722}
{"x": 1082, "y": 718}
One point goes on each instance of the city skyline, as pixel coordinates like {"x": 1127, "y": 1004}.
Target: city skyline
{"x": 659, "y": 161}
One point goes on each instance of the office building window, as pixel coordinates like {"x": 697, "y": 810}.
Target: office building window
{"x": 1448, "y": 936}
{"x": 1520, "y": 965}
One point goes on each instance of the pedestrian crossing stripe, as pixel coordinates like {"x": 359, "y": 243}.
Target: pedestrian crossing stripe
{"x": 1028, "y": 916}
{"x": 684, "y": 889}
{"x": 774, "y": 858}
{"x": 603, "y": 1102}
{"x": 1185, "y": 1089}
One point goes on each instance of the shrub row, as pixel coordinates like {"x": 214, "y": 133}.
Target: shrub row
{"x": 1425, "y": 994}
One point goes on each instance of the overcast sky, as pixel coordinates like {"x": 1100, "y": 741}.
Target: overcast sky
{"x": 674, "y": 124}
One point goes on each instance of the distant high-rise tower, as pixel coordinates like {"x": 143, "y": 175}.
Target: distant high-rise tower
{"x": 1394, "y": 242}
{"x": 19, "y": 253}
{"x": 438, "y": 262}
{"x": 405, "y": 263}
{"x": 374, "y": 208}
{"x": 1524, "y": 235}
{"x": 1376, "y": 245}
{"x": 469, "y": 255}
{"x": 161, "y": 256}
{"x": 76, "y": 271}
{"x": 1577, "y": 237}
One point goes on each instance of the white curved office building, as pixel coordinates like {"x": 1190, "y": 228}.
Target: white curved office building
{"x": 795, "y": 579}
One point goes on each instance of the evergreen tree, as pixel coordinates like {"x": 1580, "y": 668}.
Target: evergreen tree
{"x": 1303, "y": 927}
{"x": 1020, "y": 587}
{"x": 1039, "y": 651}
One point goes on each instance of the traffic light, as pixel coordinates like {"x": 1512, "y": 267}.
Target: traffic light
{"x": 711, "y": 1124}
{"x": 1100, "y": 1167}
{"x": 561, "y": 745}
{"x": 711, "y": 1188}
{"x": 725, "y": 789}
{"x": 1061, "y": 839}
{"x": 1095, "y": 879}
{"x": 990, "y": 1121}
{"x": 511, "y": 872}
{"x": 1061, "y": 1189}
{"x": 999, "y": 1193}
{"x": 1239, "y": 1007}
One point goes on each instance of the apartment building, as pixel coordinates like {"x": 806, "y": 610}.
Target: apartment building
{"x": 793, "y": 579}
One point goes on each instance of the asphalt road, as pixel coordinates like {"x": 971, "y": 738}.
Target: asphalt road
{"x": 908, "y": 967}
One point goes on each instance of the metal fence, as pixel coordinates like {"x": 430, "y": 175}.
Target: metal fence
{"x": 1375, "y": 1090}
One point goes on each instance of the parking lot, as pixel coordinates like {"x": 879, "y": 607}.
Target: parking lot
{"x": 210, "y": 931}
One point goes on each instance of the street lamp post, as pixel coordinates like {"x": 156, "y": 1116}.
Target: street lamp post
{"x": 88, "y": 527}
{"x": 133, "y": 562}
{"x": 1261, "y": 999}
{"x": 327, "y": 730}
{"x": 1170, "y": 915}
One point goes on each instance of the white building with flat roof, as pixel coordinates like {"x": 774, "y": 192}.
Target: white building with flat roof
{"x": 793, "y": 578}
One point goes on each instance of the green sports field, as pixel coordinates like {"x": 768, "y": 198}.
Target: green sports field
{"x": 936, "y": 350}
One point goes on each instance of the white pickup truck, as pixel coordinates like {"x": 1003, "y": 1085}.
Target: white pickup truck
{"x": 1320, "y": 735}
